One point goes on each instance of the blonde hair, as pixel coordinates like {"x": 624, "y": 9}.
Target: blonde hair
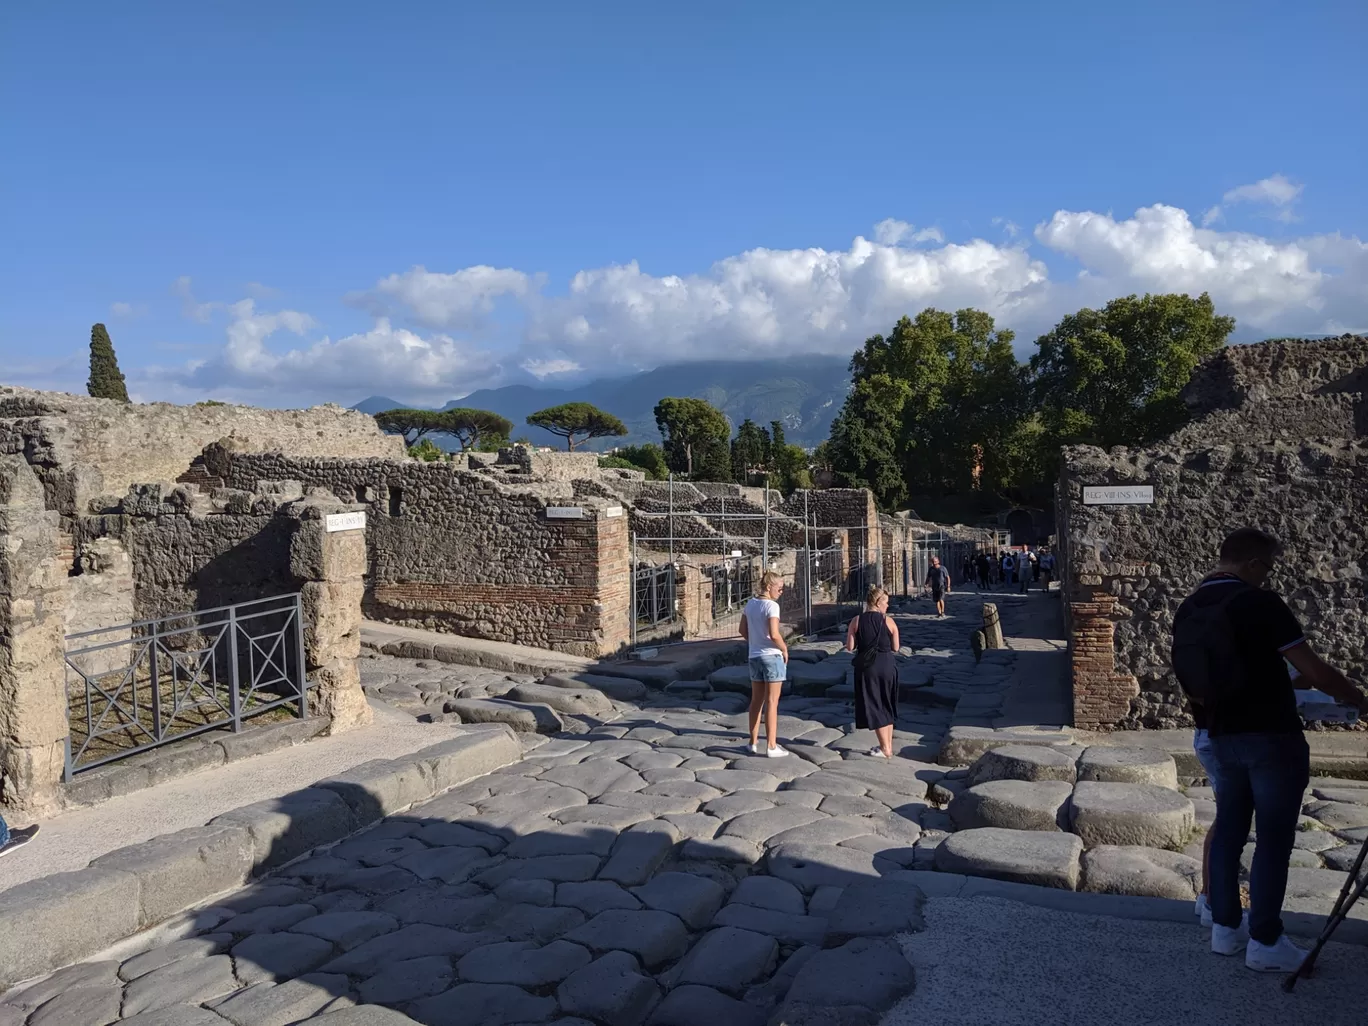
{"x": 875, "y": 593}
{"x": 768, "y": 580}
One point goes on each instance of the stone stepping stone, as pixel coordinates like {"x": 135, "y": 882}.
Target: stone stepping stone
{"x": 1128, "y": 765}
{"x": 727, "y": 959}
{"x": 1147, "y": 815}
{"x": 964, "y": 744}
{"x": 692, "y": 1005}
{"x": 484, "y": 1004}
{"x": 1022, "y": 856}
{"x": 783, "y": 926}
{"x": 575, "y": 701}
{"x": 1148, "y": 872}
{"x": 621, "y": 689}
{"x": 809, "y": 866}
{"x": 528, "y": 719}
{"x": 1338, "y": 815}
{"x": 652, "y": 936}
{"x": 1024, "y": 762}
{"x": 694, "y": 899}
{"x": 771, "y": 893}
{"x": 865, "y": 975}
{"x": 522, "y": 963}
{"x": 610, "y": 989}
{"x": 1013, "y": 805}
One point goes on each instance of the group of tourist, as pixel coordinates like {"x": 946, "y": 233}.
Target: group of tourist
{"x": 1010, "y": 568}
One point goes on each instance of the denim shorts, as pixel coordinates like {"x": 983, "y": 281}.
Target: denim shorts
{"x": 768, "y": 668}
{"x": 1201, "y": 744}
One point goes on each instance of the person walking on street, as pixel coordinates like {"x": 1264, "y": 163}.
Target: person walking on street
{"x": 1008, "y": 569}
{"x": 768, "y": 662}
{"x": 1047, "y": 565}
{"x": 938, "y": 580}
{"x": 1233, "y": 639}
{"x": 12, "y": 840}
{"x": 873, "y": 637}
{"x": 984, "y": 566}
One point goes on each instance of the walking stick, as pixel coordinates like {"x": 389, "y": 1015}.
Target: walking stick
{"x": 1352, "y": 890}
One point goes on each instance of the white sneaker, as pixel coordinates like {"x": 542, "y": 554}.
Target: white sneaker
{"x": 876, "y": 752}
{"x": 1230, "y": 940}
{"x": 756, "y": 749}
{"x": 777, "y": 752}
{"x": 1282, "y": 956}
{"x": 1203, "y": 910}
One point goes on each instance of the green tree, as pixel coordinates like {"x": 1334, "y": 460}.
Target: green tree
{"x": 1113, "y": 376}
{"x": 412, "y": 424}
{"x": 750, "y": 452}
{"x": 696, "y": 434}
{"x": 864, "y": 448}
{"x": 570, "y": 420}
{"x": 648, "y": 457}
{"x": 106, "y": 380}
{"x": 476, "y": 429}
{"x": 426, "y": 450}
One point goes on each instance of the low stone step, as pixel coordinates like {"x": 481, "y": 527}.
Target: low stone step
{"x": 1128, "y": 765}
{"x": 1013, "y": 804}
{"x": 1130, "y": 814}
{"x": 1022, "y": 856}
{"x": 623, "y": 689}
{"x": 1148, "y": 872}
{"x": 1024, "y": 762}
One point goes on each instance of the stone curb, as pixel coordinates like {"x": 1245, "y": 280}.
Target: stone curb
{"x": 1118, "y": 906}
{"x": 54, "y": 921}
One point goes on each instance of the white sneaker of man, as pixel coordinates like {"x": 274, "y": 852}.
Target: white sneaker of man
{"x": 1230, "y": 940}
{"x": 1282, "y": 956}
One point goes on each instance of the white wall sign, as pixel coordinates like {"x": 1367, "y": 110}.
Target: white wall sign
{"x": 564, "y": 512}
{"x": 345, "y": 521}
{"x": 613, "y": 511}
{"x": 1118, "y": 495}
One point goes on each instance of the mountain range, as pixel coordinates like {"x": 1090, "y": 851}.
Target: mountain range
{"x": 804, "y": 392}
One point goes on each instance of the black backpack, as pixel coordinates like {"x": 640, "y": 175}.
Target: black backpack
{"x": 1207, "y": 658}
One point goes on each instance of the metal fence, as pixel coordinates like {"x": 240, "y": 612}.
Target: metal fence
{"x": 139, "y": 685}
{"x": 653, "y": 595}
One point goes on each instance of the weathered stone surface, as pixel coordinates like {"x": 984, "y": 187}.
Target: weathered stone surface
{"x": 722, "y": 849}
{"x": 639, "y": 850}
{"x": 785, "y": 927}
{"x": 484, "y": 1004}
{"x": 1151, "y": 872}
{"x": 694, "y": 899}
{"x": 1013, "y": 805}
{"x": 1023, "y": 856}
{"x": 279, "y": 1004}
{"x": 407, "y": 942}
{"x": 610, "y": 990}
{"x": 652, "y": 936}
{"x": 187, "y": 982}
{"x": 874, "y": 908}
{"x": 190, "y": 947}
{"x": 727, "y": 959}
{"x": 172, "y": 1015}
{"x": 736, "y": 780}
{"x": 407, "y": 980}
{"x": 595, "y": 896}
{"x": 691, "y": 1005}
{"x": 284, "y": 828}
{"x": 1338, "y": 815}
{"x": 1146, "y": 815}
{"x": 571, "y": 839}
{"x": 763, "y": 824}
{"x": 557, "y": 868}
{"x": 867, "y": 974}
{"x": 769, "y": 892}
{"x": 523, "y": 963}
{"x": 380, "y": 787}
{"x": 1023, "y": 762}
{"x": 531, "y": 922}
{"x": 622, "y": 689}
{"x": 1128, "y": 765}
{"x": 964, "y": 744}
{"x": 177, "y": 870}
{"x": 86, "y": 1006}
{"x": 267, "y": 919}
{"x": 362, "y": 1015}
{"x": 577, "y": 701}
{"x": 809, "y": 866}
{"x": 276, "y": 956}
{"x": 521, "y": 718}
{"x": 596, "y": 777}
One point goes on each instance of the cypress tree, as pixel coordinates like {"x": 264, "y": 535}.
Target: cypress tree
{"x": 106, "y": 380}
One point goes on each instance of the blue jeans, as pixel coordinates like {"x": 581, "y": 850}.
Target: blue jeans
{"x": 1262, "y": 777}
{"x": 768, "y": 668}
{"x": 4, "y": 832}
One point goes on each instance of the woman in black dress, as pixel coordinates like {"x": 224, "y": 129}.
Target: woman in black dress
{"x": 873, "y": 637}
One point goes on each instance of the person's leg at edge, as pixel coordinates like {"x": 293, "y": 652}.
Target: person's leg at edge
{"x": 772, "y": 712}
{"x": 4, "y": 832}
{"x": 757, "y": 707}
{"x": 885, "y": 736}
{"x": 1234, "y": 814}
{"x": 1279, "y": 770}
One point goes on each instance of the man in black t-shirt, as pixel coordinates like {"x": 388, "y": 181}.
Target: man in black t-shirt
{"x": 1261, "y": 756}
{"x": 938, "y": 580}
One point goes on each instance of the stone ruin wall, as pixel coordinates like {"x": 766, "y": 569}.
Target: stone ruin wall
{"x": 1244, "y": 461}
{"x": 456, "y": 550}
{"x": 81, "y": 447}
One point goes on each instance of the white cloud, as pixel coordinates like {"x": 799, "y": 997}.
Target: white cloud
{"x": 892, "y": 232}
{"x": 542, "y": 369}
{"x": 1276, "y": 192}
{"x": 1009, "y": 228}
{"x": 191, "y": 308}
{"x": 127, "y": 309}
{"x": 462, "y": 299}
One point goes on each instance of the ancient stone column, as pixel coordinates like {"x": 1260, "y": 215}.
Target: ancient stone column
{"x": 992, "y": 627}
{"x": 33, "y": 708}
{"x": 330, "y": 566}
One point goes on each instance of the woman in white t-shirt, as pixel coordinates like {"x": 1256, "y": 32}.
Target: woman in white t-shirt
{"x": 768, "y": 662}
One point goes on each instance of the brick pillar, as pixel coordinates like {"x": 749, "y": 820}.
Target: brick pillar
{"x": 33, "y": 708}
{"x": 330, "y": 566}
{"x": 1101, "y": 696}
{"x": 695, "y": 599}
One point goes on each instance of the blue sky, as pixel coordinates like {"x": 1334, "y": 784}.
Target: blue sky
{"x": 287, "y": 203}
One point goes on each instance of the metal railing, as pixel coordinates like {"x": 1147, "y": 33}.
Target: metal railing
{"x": 733, "y": 582}
{"x": 147, "y": 683}
{"x": 653, "y": 591}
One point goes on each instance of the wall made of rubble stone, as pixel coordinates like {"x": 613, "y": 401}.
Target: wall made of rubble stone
{"x": 455, "y": 550}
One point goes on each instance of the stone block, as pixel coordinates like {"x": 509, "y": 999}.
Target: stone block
{"x": 639, "y": 850}
{"x": 380, "y": 787}
{"x": 363, "y": 1015}
{"x": 875, "y": 908}
{"x": 173, "y": 1015}
{"x": 523, "y": 963}
{"x": 576, "y": 701}
{"x": 190, "y": 981}
{"x": 278, "y": 956}
{"x": 80, "y": 1006}
{"x": 621, "y": 689}
{"x": 271, "y": 1004}
{"x": 272, "y": 737}
{"x": 1023, "y": 762}
{"x": 1128, "y": 765}
{"x": 1023, "y": 856}
{"x": 865, "y": 975}
{"x": 1013, "y": 804}
{"x": 1148, "y": 872}
{"x": 471, "y": 755}
{"x": 346, "y": 929}
{"x": 526, "y": 718}
{"x": 609, "y": 990}
{"x": 726, "y": 958}
{"x": 694, "y": 899}
{"x": 408, "y": 980}
{"x": 691, "y": 1005}
{"x": 1147, "y": 815}
{"x": 284, "y": 828}
{"x": 652, "y": 936}
{"x": 177, "y": 870}
{"x": 59, "y": 919}
{"x": 964, "y": 744}
{"x": 809, "y": 866}
{"x": 783, "y": 926}
{"x": 769, "y": 892}
{"x": 484, "y": 1004}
